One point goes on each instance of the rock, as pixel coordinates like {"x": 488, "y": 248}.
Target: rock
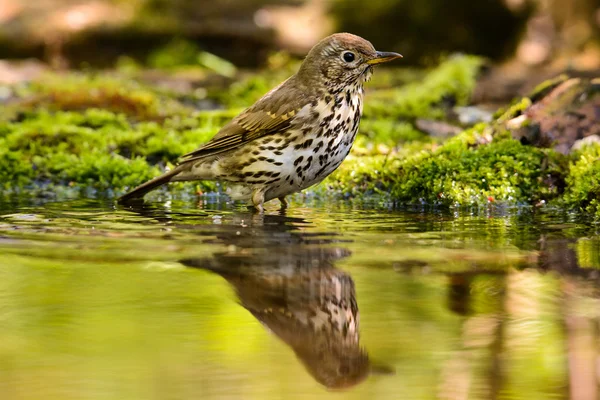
{"x": 563, "y": 116}
{"x": 469, "y": 116}
{"x": 13, "y": 72}
{"x": 501, "y": 83}
{"x": 437, "y": 129}
{"x": 587, "y": 141}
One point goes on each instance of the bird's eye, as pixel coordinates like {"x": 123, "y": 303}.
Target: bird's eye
{"x": 348, "y": 56}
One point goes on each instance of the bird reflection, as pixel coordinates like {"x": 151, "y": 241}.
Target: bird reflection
{"x": 288, "y": 281}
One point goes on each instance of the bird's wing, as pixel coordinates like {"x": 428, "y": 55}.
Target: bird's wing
{"x": 272, "y": 113}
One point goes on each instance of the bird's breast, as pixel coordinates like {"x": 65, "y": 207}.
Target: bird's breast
{"x": 321, "y": 142}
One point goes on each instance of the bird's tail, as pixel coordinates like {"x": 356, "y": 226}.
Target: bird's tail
{"x": 146, "y": 187}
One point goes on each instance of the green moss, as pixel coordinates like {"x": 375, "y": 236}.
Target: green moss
{"x": 583, "y": 181}
{"x": 96, "y": 148}
{"x": 359, "y": 177}
{"x": 503, "y": 170}
{"x": 388, "y": 132}
{"x": 14, "y": 172}
{"x": 546, "y": 87}
{"x": 98, "y": 131}
{"x": 512, "y": 111}
{"x": 174, "y": 54}
{"x": 460, "y": 172}
{"x": 481, "y": 165}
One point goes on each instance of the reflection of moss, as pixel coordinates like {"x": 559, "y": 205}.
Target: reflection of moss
{"x": 588, "y": 252}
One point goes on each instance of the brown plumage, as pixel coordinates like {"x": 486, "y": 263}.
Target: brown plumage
{"x": 295, "y": 135}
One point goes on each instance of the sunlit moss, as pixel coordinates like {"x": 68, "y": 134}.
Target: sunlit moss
{"x": 503, "y": 170}
{"x": 514, "y": 110}
{"x": 461, "y": 172}
{"x": 546, "y": 86}
{"x": 583, "y": 181}
{"x": 95, "y": 148}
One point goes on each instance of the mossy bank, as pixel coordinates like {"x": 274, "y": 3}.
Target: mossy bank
{"x": 100, "y": 134}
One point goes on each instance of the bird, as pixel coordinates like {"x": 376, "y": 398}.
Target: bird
{"x": 291, "y": 138}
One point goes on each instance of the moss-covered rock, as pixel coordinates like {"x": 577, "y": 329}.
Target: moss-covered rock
{"x": 95, "y": 148}
{"x": 583, "y": 181}
{"x": 470, "y": 169}
{"x": 493, "y": 162}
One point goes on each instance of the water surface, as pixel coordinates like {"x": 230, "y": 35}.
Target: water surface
{"x": 182, "y": 301}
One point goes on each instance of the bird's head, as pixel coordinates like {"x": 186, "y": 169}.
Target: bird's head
{"x": 342, "y": 59}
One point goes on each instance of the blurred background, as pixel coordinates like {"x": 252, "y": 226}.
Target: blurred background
{"x": 558, "y": 33}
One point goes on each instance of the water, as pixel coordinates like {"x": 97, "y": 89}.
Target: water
{"x": 181, "y": 301}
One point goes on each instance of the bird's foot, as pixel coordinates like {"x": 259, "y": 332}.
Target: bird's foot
{"x": 284, "y": 202}
{"x": 258, "y": 199}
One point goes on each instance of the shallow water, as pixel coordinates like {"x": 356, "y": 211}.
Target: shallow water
{"x": 182, "y": 301}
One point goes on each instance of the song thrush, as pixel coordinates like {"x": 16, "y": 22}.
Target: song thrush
{"x": 295, "y": 135}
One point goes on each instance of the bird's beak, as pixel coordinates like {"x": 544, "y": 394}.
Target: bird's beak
{"x": 384, "y": 56}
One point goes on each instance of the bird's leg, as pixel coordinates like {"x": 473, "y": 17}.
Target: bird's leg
{"x": 284, "y": 202}
{"x": 258, "y": 198}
